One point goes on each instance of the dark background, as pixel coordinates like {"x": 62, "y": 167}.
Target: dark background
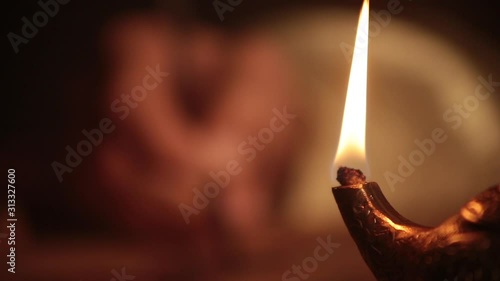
{"x": 67, "y": 45}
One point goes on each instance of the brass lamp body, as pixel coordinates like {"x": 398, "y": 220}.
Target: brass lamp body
{"x": 464, "y": 247}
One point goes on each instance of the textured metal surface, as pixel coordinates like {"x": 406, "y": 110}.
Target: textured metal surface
{"x": 464, "y": 247}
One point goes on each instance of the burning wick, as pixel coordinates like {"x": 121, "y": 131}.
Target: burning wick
{"x": 348, "y": 176}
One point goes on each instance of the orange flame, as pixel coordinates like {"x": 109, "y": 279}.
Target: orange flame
{"x": 351, "y": 149}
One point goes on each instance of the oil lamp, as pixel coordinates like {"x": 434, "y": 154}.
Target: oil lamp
{"x": 466, "y": 246}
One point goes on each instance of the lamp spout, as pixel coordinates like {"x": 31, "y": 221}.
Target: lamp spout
{"x": 395, "y": 248}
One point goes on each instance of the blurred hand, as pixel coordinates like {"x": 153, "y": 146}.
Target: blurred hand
{"x": 220, "y": 90}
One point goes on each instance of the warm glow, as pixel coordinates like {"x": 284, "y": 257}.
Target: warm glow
{"x": 351, "y": 149}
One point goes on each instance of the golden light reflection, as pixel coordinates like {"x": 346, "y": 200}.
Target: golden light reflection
{"x": 351, "y": 148}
